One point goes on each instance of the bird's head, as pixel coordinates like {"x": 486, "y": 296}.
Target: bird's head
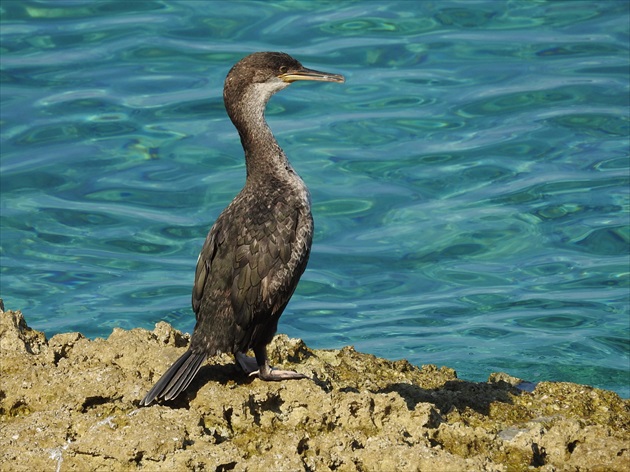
{"x": 265, "y": 73}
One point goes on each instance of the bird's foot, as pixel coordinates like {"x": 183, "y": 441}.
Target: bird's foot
{"x": 268, "y": 373}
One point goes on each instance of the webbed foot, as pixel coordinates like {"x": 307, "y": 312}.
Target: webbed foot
{"x": 265, "y": 372}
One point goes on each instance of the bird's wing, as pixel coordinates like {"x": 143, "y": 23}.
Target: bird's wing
{"x": 270, "y": 258}
{"x": 215, "y": 238}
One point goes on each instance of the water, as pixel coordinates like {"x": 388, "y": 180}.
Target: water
{"x": 470, "y": 179}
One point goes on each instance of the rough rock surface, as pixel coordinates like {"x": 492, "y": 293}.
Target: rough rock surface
{"x": 71, "y": 404}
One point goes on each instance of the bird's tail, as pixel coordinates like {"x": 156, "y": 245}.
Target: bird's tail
{"x": 177, "y": 378}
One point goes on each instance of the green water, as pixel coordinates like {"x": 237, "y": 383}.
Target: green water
{"x": 470, "y": 179}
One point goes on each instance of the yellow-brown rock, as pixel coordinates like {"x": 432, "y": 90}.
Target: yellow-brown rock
{"x": 71, "y": 404}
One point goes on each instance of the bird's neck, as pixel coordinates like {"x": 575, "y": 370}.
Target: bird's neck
{"x": 263, "y": 155}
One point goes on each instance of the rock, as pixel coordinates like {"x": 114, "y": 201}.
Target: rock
{"x": 70, "y": 403}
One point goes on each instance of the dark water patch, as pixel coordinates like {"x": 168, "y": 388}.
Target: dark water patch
{"x": 575, "y": 210}
{"x": 32, "y": 179}
{"x": 553, "y": 322}
{"x": 596, "y": 125}
{"x": 580, "y": 49}
{"x": 539, "y": 192}
{"x": 80, "y": 219}
{"x": 487, "y": 332}
{"x": 523, "y": 100}
{"x": 191, "y": 109}
{"x": 72, "y": 131}
{"x": 139, "y": 247}
{"x": 614, "y": 241}
{"x": 543, "y": 304}
{"x": 619, "y": 345}
{"x": 465, "y": 17}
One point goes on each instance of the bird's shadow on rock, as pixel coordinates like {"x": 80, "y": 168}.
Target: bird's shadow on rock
{"x": 458, "y": 394}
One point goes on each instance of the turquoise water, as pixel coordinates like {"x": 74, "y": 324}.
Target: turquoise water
{"x": 470, "y": 180}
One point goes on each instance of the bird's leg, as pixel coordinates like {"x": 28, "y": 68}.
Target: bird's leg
{"x": 247, "y": 363}
{"x": 266, "y": 372}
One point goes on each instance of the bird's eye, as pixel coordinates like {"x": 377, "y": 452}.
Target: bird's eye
{"x": 283, "y": 69}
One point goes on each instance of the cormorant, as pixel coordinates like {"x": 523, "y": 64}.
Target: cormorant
{"x": 258, "y": 247}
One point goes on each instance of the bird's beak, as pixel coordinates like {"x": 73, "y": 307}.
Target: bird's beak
{"x": 310, "y": 74}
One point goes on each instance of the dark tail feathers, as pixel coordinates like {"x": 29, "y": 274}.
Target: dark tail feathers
{"x": 176, "y": 379}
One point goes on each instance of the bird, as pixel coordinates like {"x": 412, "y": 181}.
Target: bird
{"x": 258, "y": 248}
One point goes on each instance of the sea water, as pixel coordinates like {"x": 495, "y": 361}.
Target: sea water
{"x": 469, "y": 180}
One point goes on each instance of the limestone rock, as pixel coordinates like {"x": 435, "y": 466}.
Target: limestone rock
{"x": 70, "y": 403}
